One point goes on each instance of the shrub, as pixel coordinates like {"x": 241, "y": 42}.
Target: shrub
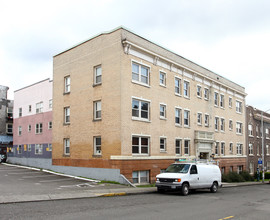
{"x": 232, "y": 177}
{"x": 246, "y": 176}
{"x": 267, "y": 175}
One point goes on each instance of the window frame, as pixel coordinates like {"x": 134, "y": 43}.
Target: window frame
{"x": 186, "y": 120}
{"x": 67, "y": 115}
{"x": 162, "y": 81}
{"x": 178, "y": 148}
{"x": 239, "y": 106}
{"x": 140, "y": 137}
{"x": 186, "y": 89}
{"x": 186, "y": 147}
{"x": 39, "y": 107}
{"x": 162, "y": 111}
{"x": 177, "y": 90}
{"x": 38, "y": 149}
{"x": 239, "y": 127}
{"x": 66, "y": 142}
{"x": 97, "y": 110}
{"x": 9, "y": 128}
{"x": 97, "y": 74}
{"x": 199, "y": 91}
{"x": 96, "y": 145}
{"x": 140, "y": 110}
{"x": 140, "y": 75}
{"x": 179, "y": 110}
{"x": 199, "y": 118}
{"x": 162, "y": 144}
{"x": 39, "y": 128}
{"x": 67, "y": 84}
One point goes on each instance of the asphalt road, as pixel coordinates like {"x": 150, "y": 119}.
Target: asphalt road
{"x": 249, "y": 203}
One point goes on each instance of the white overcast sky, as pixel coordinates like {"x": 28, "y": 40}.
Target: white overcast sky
{"x": 228, "y": 37}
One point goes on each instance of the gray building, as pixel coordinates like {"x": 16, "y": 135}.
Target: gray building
{"x": 6, "y": 121}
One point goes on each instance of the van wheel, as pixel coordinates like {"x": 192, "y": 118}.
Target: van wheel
{"x": 185, "y": 189}
{"x": 214, "y": 188}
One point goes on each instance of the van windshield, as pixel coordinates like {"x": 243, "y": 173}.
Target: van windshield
{"x": 178, "y": 168}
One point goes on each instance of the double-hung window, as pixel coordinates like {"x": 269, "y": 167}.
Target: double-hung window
{"x": 67, "y": 84}
{"x": 39, "y": 107}
{"x": 20, "y": 130}
{"x": 216, "y": 98}
{"x": 97, "y": 145}
{"x": 199, "y": 118}
{"x": 221, "y": 101}
{"x": 250, "y": 149}
{"x": 230, "y": 124}
{"x": 20, "y": 112}
{"x": 230, "y": 102}
{"x": 239, "y": 127}
{"x": 186, "y": 89}
{"x": 162, "y": 144}
{"x": 162, "y": 78}
{"x": 140, "y": 73}
{"x": 217, "y": 148}
{"x": 238, "y": 106}
{"x": 140, "y": 145}
{"x": 66, "y": 146}
{"x": 206, "y": 120}
{"x": 97, "y": 75}
{"x": 222, "y": 124}
{"x": 39, "y": 128}
{"x": 216, "y": 123}
{"x": 186, "y": 118}
{"x": 178, "y": 119}
{"x": 250, "y": 130}
{"x": 162, "y": 110}
{"x": 67, "y": 115}
{"x": 9, "y": 128}
{"x": 38, "y": 148}
{"x": 199, "y": 91}
{"x": 186, "y": 147}
{"x": 206, "y": 93}
{"x": 178, "y": 144}
{"x": 239, "y": 148}
{"x": 140, "y": 109}
{"x": 9, "y": 112}
{"x": 97, "y": 110}
{"x": 222, "y": 148}
{"x": 177, "y": 86}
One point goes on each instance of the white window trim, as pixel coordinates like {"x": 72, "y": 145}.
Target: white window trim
{"x": 230, "y": 105}
{"x": 165, "y": 111}
{"x": 181, "y": 141}
{"x": 149, "y": 106}
{"x": 180, "y": 116}
{"x": 165, "y": 78}
{"x": 65, "y": 153}
{"x": 206, "y": 125}
{"x": 202, "y": 91}
{"x": 96, "y": 110}
{"x": 180, "y": 89}
{"x": 165, "y": 143}
{"x": 149, "y": 72}
{"x": 67, "y": 85}
{"x": 95, "y": 146}
{"x": 222, "y": 94}
{"x": 207, "y": 93}
{"x": 189, "y": 118}
{"x": 95, "y": 74}
{"x": 141, "y": 136}
{"x": 200, "y": 123}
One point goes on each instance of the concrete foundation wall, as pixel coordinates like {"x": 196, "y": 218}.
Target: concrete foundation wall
{"x": 94, "y": 173}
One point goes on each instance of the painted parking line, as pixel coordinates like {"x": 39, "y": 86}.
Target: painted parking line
{"x": 57, "y": 180}
{"x": 20, "y": 173}
{"x": 77, "y": 185}
{"x": 41, "y": 176}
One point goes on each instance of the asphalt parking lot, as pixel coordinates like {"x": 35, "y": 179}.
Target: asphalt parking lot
{"x": 21, "y": 181}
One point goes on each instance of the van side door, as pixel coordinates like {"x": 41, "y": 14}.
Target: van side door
{"x": 193, "y": 177}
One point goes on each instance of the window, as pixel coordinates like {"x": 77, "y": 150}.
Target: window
{"x": 206, "y": 120}
{"x": 199, "y": 91}
{"x": 20, "y": 149}
{"x": 29, "y": 108}
{"x": 140, "y": 109}
{"x": 239, "y": 169}
{"x": 177, "y": 86}
{"x": 178, "y": 119}
{"x": 230, "y": 124}
{"x": 222, "y": 148}
{"x": 97, "y": 145}
{"x": 20, "y": 130}
{"x": 162, "y": 144}
{"x": 230, "y": 102}
{"x": 49, "y": 147}
{"x": 258, "y": 149}
{"x": 29, "y": 147}
{"x": 216, "y": 123}
{"x": 9, "y": 128}
{"x": 216, "y": 99}
{"x": 186, "y": 118}
{"x": 97, "y": 75}
{"x": 140, "y": 176}
{"x": 217, "y": 148}
{"x": 257, "y": 131}
{"x": 29, "y": 128}
{"x": 267, "y": 133}
{"x": 97, "y": 110}
{"x": 39, "y": 107}
{"x": 231, "y": 148}
{"x": 38, "y": 149}
{"x": 250, "y": 130}
{"x": 238, "y": 127}
{"x": 67, "y": 84}
{"x": 162, "y": 78}
{"x": 251, "y": 167}
{"x": 66, "y": 146}
{"x": 9, "y": 113}
{"x": 162, "y": 110}
{"x": 238, "y": 106}
{"x": 66, "y": 115}
{"x": 267, "y": 149}
{"x": 39, "y": 128}
{"x": 140, "y": 145}
{"x": 239, "y": 148}
{"x": 222, "y": 124}
{"x": 140, "y": 73}
{"x": 20, "y": 112}
{"x": 199, "y": 118}
{"x": 50, "y": 125}
{"x": 250, "y": 149}
{"x": 186, "y": 89}
{"x": 178, "y": 144}
{"x": 186, "y": 147}
{"x": 221, "y": 101}
{"x": 50, "y": 103}
{"x": 206, "y": 93}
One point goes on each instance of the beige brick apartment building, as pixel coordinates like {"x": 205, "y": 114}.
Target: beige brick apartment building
{"x": 123, "y": 102}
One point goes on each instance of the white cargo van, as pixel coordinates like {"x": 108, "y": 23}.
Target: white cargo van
{"x": 190, "y": 175}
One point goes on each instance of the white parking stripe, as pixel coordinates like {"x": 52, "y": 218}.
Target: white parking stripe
{"x": 20, "y": 173}
{"x": 30, "y": 177}
{"x": 57, "y": 180}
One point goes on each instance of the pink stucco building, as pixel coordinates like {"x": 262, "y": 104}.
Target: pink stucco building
{"x": 32, "y": 125}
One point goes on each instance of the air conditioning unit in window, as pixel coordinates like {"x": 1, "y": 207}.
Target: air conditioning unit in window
{"x": 98, "y": 151}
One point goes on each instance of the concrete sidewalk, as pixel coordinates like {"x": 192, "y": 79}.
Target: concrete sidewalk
{"x": 110, "y": 190}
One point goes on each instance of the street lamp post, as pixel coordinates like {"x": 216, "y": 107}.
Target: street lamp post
{"x": 263, "y": 144}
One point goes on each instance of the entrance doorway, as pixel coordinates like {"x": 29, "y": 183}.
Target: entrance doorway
{"x": 204, "y": 155}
